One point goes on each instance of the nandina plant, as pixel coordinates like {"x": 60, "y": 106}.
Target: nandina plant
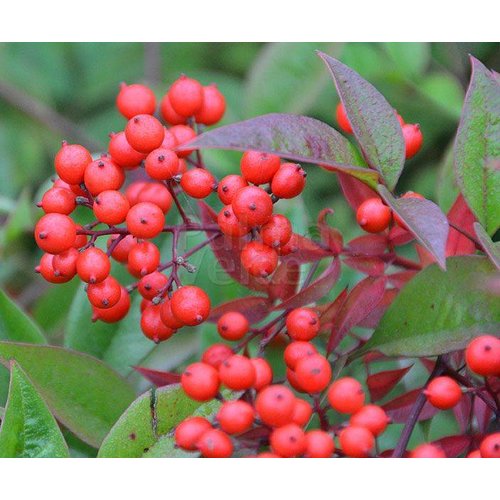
{"x": 295, "y": 369}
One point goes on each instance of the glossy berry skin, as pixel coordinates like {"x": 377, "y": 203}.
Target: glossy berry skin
{"x": 71, "y": 162}
{"x": 135, "y": 100}
{"x": 483, "y": 355}
{"x": 296, "y": 351}
{"x": 64, "y": 263}
{"x": 183, "y": 134}
{"x": 104, "y": 294}
{"x": 168, "y": 113}
{"x": 169, "y": 140}
{"x": 490, "y": 446}
{"x": 55, "y": 233}
{"x": 313, "y": 373}
{"x": 132, "y": 191}
{"x": 229, "y": 186}
{"x": 474, "y": 454}
{"x": 145, "y": 220}
{"x": 48, "y": 272}
{"x": 356, "y": 442}
{"x": 229, "y": 223}
{"x": 153, "y": 327}
{"x": 186, "y": 96}
{"x": 58, "y": 200}
{"x": 427, "y": 451}
{"x": 167, "y": 316}
{"x": 413, "y": 139}
{"x": 152, "y": 284}
{"x": 189, "y": 432}
{"x": 293, "y": 381}
{"x": 111, "y": 207}
{"x": 290, "y": 247}
{"x": 157, "y": 194}
{"x": 200, "y": 381}
{"x": 93, "y": 265}
{"x": 277, "y": 231}
{"x": 302, "y": 412}
{"x": 319, "y": 444}
{"x": 122, "y": 153}
{"x": 346, "y": 395}
{"x": 443, "y": 393}
{"x": 232, "y": 326}
{"x": 114, "y": 313}
{"x": 342, "y": 119}
{"x": 237, "y": 373}
{"x": 302, "y": 324}
{"x": 191, "y": 305}
{"x": 252, "y": 206}
{"x": 275, "y": 405}
{"x": 198, "y": 183}
{"x": 263, "y": 373}
{"x": 143, "y": 259}
{"x": 235, "y": 417}
{"x": 213, "y": 107}
{"x": 288, "y": 441}
{"x": 216, "y": 354}
{"x": 122, "y": 249}
{"x": 103, "y": 175}
{"x": 161, "y": 164}
{"x": 373, "y": 216}
{"x": 259, "y": 168}
{"x": 259, "y": 259}
{"x": 144, "y": 133}
{"x": 215, "y": 444}
{"x": 372, "y": 417}
{"x": 289, "y": 181}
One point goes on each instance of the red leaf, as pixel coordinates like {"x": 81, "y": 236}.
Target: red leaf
{"x": 429, "y": 364}
{"x": 373, "y": 319}
{"x": 330, "y": 236}
{"x": 331, "y": 310}
{"x": 380, "y": 384}
{"x": 253, "y": 308}
{"x": 399, "y": 408}
{"x": 306, "y": 251}
{"x": 399, "y": 236}
{"x": 424, "y": 256}
{"x": 355, "y": 191}
{"x": 400, "y": 279}
{"x": 483, "y": 414}
{"x": 316, "y": 290}
{"x": 368, "y": 244}
{"x": 159, "y": 378}
{"x": 372, "y": 266}
{"x": 284, "y": 281}
{"x": 461, "y": 215}
{"x": 462, "y": 412}
{"x": 453, "y": 446}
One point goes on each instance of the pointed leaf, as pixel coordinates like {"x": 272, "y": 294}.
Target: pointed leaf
{"x": 354, "y": 191}
{"x": 453, "y": 446}
{"x": 399, "y": 408}
{"x": 368, "y": 244}
{"x": 372, "y": 266}
{"x": 305, "y": 250}
{"x": 284, "y": 281}
{"x": 492, "y": 249}
{"x": 253, "y": 308}
{"x": 158, "y": 377}
{"x": 461, "y": 216}
{"x": 381, "y": 383}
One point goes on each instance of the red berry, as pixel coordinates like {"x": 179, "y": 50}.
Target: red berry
{"x": 263, "y": 373}
{"x": 490, "y": 446}
{"x": 111, "y": 207}
{"x": 93, "y": 265}
{"x": 288, "y": 441}
{"x": 302, "y": 324}
{"x": 342, "y": 119}
{"x": 229, "y": 223}
{"x": 133, "y": 190}
{"x": 162, "y": 164}
{"x": 189, "y": 432}
{"x": 135, "y": 99}
{"x": 46, "y": 269}
{"x": 71, "y": 162}
{"x": 183, "y": 134}
{"x": 291, "y": 247}
{"x": 198, "y": 183}
{"x": 64, "y": 263}
{"x": 259, "y": 168}
{"x": 81, "y": 239}
{"x": 156, "y": 193}
{"x": 144, "y": 133}
{"x": 275, "y": 405}
{"x": 372, "y": 417}
{"x": 356, "y": 442}
{"x": 122, "y": 249}
{"x": 483, "y": 355}
{"x": 289, "y": 181}
{"x": 373, "y": 216}
{"x": 427, "y": 451}
{"x": 235, "y": 417}
{"x": 232, "y": 326}
{"x": 55, "y": 233}
{"x": 293, "y": 381}
{"x": 217, "y": 353}
{"x": 413, "y": 139}
{"x": 143, "y": 259}
{"x": 145, "y": 220}
{"x": 297, "y": 351}
{"x": 259, "y": 259}
{"x": 346, "y": 395}
{"x": 319, "y": 444}
{"x": 213, "y": 107}
{"x": 252, "y": 206}
{"x": 229, "y": 186}
{"x": 168, "y": 317}
{"x": 215, "y": 444}
{"x": 103, "y": 175}
{"x": 409, "y": 194}
{"x": 104, "y": 294}
{"x": 200, "y": 381}
{"x": 152, "y": 285}
{"x": 191, "y": 305}
{"x": 58, "y": 200}
{"x": 168, "y": 113}
{"x": 122, "y": 153}
{"x": 277, "y": 231}
{"x": 474, "y": 454}
{"x": 169, "y": 140}
{"x": 313, "y": 373}
{"x": 237, "y": 373}
{"x": 115, "y": 313}
{"x": 152, "y": 326}
{"x": 302, "y": 412}
{"x": 186, "y": 96}
{"x": 443, "y": 393}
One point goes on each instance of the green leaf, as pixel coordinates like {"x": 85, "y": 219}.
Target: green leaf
{"x": 443, "y": 90}
{"x": 477, "y": 147}
{"x": 28, "y": 429}
{"x": 151, "y": 416}
{"x": 16, "y": 325}
{"x": 438, "y": 311}
{"x": 84, "y": 394}
{"x": 411, "y": 59}
{"x": 286, "y": 78}
{"x": 492, "y": 249}
{"x": 373, "y": 121}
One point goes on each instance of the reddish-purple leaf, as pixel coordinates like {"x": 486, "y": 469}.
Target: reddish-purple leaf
{"x": 399, "y": 408}
{"x": 328, "y": 312}
{"x": 284, "y": 281}
{"x": 453, "y": 446}
{"x": 373, "y": 319}
{"x": 368, "y": 244}
{"x": 424, "y": 219}
{"x": 460, "y": 215}
{"x": 330, "y": 236}
{"x": 399, "y": 236}
{"x": 400, "y": 279}
{"x": 462, "y": 412}
{"x": 316, "y": 290}
{"x": 425, "y": 258}
{"x": 483, "y": 414}
{"x": 253, "y": 308}
{"x": 157, "y": 377}
{"x": 297, "y": 138}
{"x": 355, "y": 192}
{"x": 305, "y": 250}
{"x": 372, "y": 266}
{"x": 380, "y": 384}
{"x": 373, "y": 121}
